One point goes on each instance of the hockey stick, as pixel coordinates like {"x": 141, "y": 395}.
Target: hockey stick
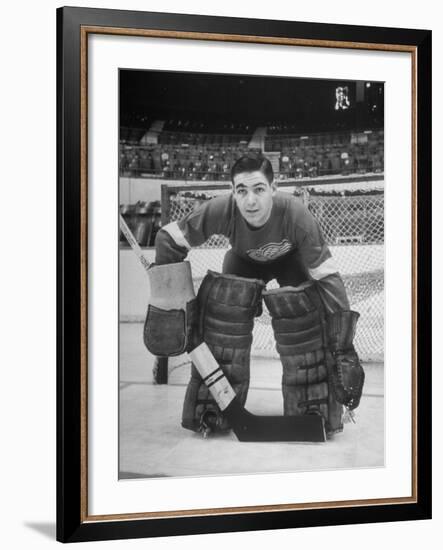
{"x": 246, "y": 426}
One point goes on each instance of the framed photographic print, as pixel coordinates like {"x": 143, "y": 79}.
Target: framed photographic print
{"x": 244, "y": 252}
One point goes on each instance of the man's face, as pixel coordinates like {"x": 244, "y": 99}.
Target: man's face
{"x": 253, "y": 195}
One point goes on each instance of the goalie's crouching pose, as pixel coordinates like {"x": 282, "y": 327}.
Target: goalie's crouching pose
{"x": 272, "y": 236}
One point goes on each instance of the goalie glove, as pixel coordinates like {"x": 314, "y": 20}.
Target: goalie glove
{"x": 172, "y": 318}
{"x": 346, "y": 373}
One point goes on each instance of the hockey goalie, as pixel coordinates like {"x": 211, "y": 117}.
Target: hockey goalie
{"x": 272, "y": 236}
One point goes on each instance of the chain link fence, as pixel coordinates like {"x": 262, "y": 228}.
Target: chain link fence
{"x": 352, "y": 223}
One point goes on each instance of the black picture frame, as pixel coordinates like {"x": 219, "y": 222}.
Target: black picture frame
{"x": 73, "y": 26}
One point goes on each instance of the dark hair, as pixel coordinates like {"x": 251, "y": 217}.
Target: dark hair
{"x": 252, "y": 162}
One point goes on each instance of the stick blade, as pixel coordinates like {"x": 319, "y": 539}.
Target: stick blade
{"x": 250, "y": 427}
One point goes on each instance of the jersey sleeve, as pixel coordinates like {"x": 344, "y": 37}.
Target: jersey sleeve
{"x": 175, "y": 239}
{"x": 317, "y": 258}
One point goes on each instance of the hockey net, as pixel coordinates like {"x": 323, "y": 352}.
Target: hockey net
{"x": 351, "y": 216}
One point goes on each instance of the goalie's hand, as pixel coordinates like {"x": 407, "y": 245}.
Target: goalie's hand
{"x": 347, "y": 377}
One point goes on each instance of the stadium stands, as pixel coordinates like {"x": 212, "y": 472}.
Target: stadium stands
{"x": 204, "y": 156}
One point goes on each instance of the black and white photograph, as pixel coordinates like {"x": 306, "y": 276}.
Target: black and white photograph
{"x": 251, "y": 274}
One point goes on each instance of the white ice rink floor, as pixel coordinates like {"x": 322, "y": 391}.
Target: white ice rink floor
{"x": 153, "y": 443}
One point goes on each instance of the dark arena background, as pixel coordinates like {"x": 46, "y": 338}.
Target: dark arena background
{"x": 179, "y": 136}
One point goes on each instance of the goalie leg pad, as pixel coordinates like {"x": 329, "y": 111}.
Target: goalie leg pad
{"x": 227, "y": 306}
{"x": 304, "y": 383}
{"x": 299, "y": 335}
{"x": 199, "y": 409}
